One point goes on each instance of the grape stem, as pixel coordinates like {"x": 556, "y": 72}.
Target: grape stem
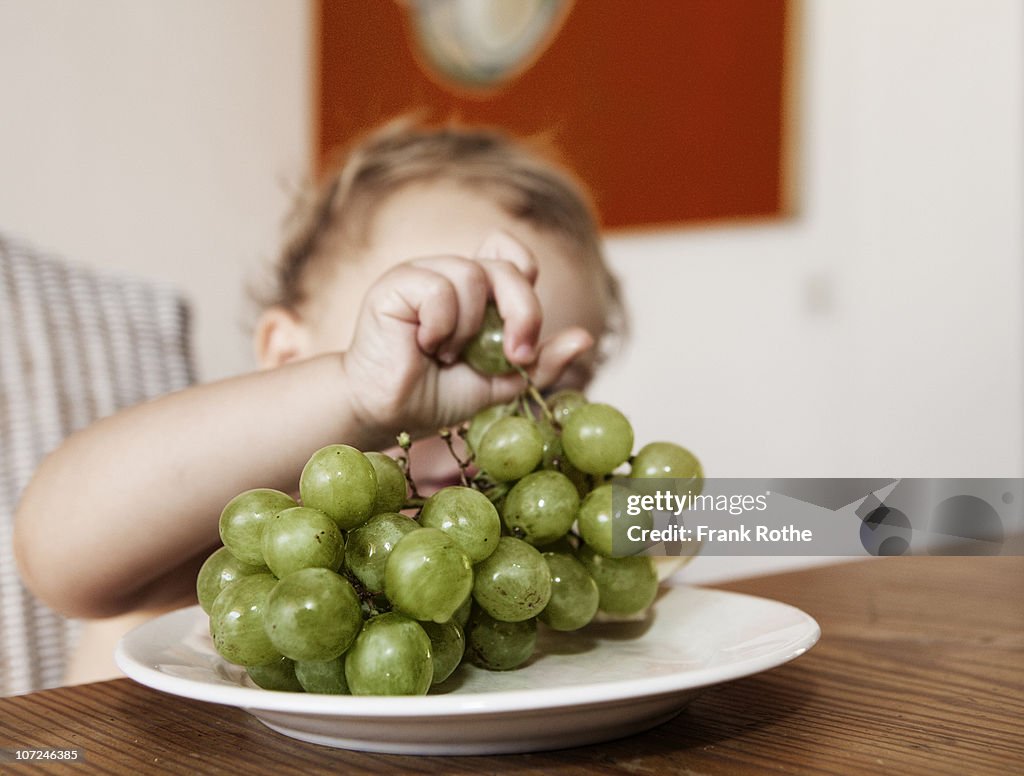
{"x": 534, "y": 394}
{"x": 405, "y": 442}
{"x": 494, "y": 491}
{"x": 462, "y": 430}
{"x": 524, "y": 407}
{"x": 366, "y": 596}
{"x": 446, "y": 435}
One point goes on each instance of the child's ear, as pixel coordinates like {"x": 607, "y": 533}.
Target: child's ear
{"x": 281, "y": 336}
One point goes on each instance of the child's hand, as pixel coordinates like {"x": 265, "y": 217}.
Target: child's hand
{"x": 403, "y": 367}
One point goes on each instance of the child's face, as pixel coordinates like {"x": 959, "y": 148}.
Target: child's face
{"x": 444, "y": 218}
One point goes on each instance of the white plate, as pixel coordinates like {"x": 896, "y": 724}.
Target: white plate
{"x": 603, "y": 682}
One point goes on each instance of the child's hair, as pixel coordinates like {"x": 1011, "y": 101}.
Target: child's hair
{"x": 520, "y": 175}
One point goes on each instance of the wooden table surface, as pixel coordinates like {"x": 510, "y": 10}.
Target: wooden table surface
{"x": 920, "y": 670}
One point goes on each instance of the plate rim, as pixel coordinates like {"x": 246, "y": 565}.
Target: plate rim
{"x": 476, "y": 703}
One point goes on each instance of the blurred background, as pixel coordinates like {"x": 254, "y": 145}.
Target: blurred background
{"x": 849, "y": 303}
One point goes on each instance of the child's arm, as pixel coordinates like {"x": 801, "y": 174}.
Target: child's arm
{"x": 115, "y": 519}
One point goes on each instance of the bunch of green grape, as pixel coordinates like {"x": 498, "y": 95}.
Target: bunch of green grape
{"x": 345, "y": 594}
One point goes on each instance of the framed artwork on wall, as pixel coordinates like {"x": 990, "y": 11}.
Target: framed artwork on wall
{"x": 672, "y": 112}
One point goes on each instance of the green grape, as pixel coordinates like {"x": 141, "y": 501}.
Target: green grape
{"x": 242, "y": 521}
{"x": 511, "y": 448}
{"x": 482, "y": 421}
{"x": 461, "y": 615}
{"x": 541, "y": 507}
{"x": 447, "y": 646}
{"x": 368, "y": 547}
{"x": 478, "y": 594}
{"x": 597, "y": 438}
{"x": 217, "y": 572}
{"x": 312, "y": 614}
{"x": 427, "y": 576}
{"x": 391, "y": 656}
{"x": 626, "y": 585}
{"x": 341, "y": 482}
{"x": 279, "y": 675}
{"x": 551, "y": 441}
{"x": 667, "y": 460}
{"x": 485, "y": 352}
{"x": 554, "y": 458}
{"x": 236, "y": 621}
{"x": 564, "y": 544}
{"x": 563, "y": 403}
{"x": 326, "y": 677}
{"x": 391, "y": 485}
{"x": 302, "y": 537}
{"x": 496, "y": 495}
{"x": 467, "y": 516}
{"x": 497, "y": 645}
{"x": 574, "y": 594}
{"x": 607, "y": 531}
{"x": 514, "y": 583}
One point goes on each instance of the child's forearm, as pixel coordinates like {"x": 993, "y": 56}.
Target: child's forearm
{"x": 126, "y": 501}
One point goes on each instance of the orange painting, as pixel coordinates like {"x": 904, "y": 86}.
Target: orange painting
{"x": 672, "y": 112}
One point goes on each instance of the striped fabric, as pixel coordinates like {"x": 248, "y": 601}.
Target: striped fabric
{"x": 75, "y": 345}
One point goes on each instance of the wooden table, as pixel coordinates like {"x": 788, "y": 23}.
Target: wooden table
{"x": 920, "y": 669}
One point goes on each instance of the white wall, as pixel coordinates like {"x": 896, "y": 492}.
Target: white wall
{"x": 881, "y": 332}
{"x": 155, "y": 137}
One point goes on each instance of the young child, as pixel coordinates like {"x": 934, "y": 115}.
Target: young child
{"x": 385, "y": 280}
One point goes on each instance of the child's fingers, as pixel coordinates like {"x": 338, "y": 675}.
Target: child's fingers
{"x": 557, "y": 353}
{"x": 438, "y": 311}
{"x": 421, "y": 297}
{"x": 446, "y": 296}
{"x": 518, "y": 305}
{"x": 504, "y": 247}
{"x": 471, "y": 286}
